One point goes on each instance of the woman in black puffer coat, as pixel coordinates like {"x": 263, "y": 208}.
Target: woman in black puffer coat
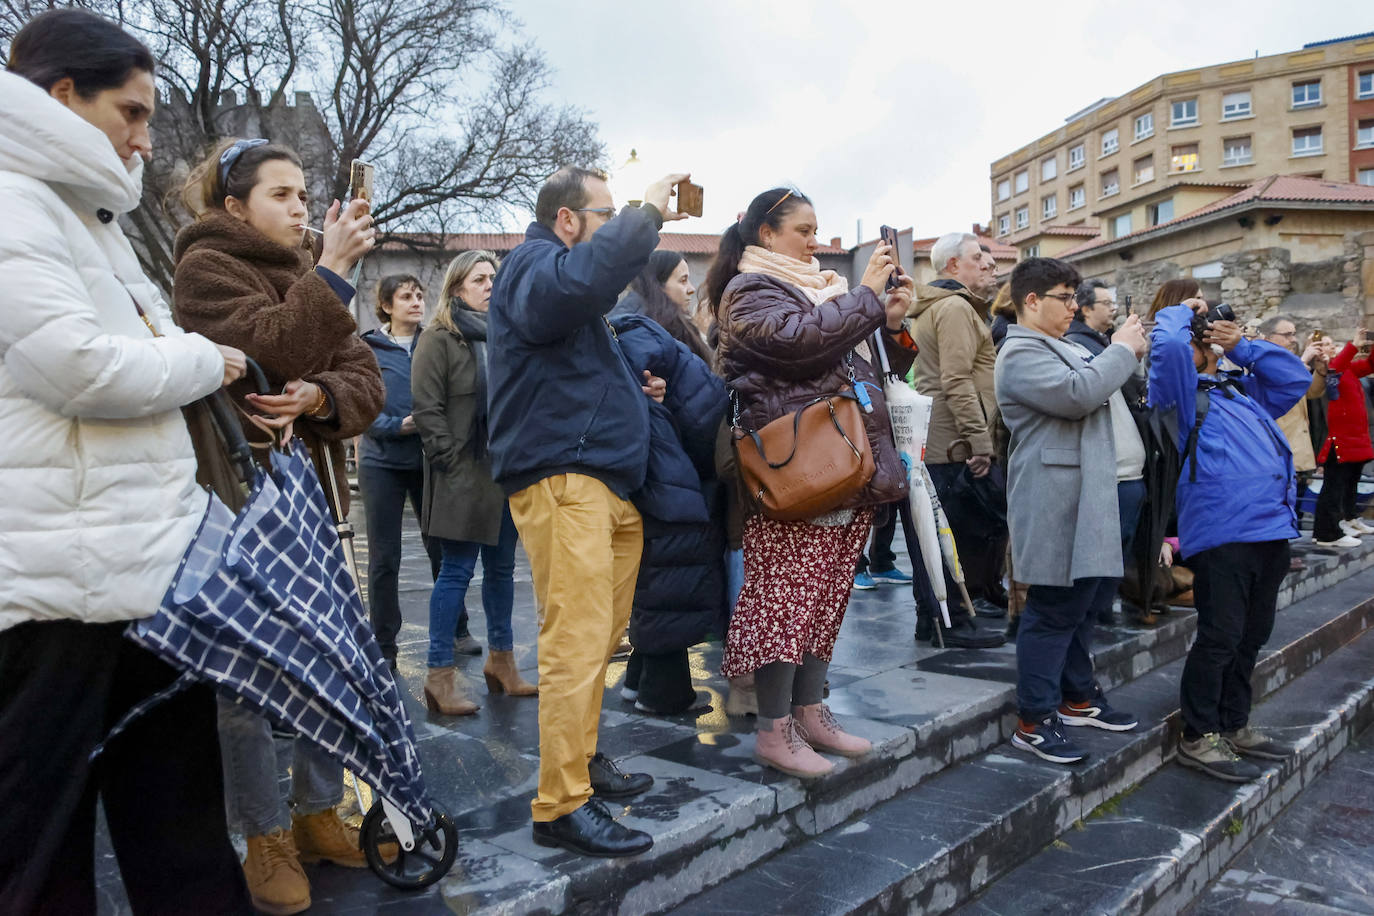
{"x": 680, "y": 594}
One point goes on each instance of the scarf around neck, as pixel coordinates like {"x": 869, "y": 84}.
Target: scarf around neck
{"x": 472, "y": 325}
{"x": 815, "y": 284}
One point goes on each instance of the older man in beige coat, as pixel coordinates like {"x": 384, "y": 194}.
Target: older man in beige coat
{"x": 1062, "y": 503}
{"x": 1295, "y": 424}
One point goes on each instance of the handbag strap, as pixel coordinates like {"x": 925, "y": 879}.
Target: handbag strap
{"x": 796, "y": 425}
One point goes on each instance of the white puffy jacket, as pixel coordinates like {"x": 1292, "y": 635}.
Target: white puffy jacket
{"x": 98, "y": 497}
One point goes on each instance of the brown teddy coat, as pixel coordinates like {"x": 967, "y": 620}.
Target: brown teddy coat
{"x": 241, "y": 289}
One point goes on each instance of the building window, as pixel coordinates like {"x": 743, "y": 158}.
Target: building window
{"x": 1049, "y": 168}
{"x": 1049, "y": 207}
{"x": 1143, "y": 170}
{"x": 1022, "y": 181}
{"x": 1121, "y": 225}
{"x": 1365, "y": 176}
{"x": 1307, "y": 94}
{"x": 1110, "y": 142}
{"x": 1307, "y": 141}
{"x": 1076, "y": 157}
{"x": 1030, "y": 251}
{"x": 1183, "y": 113}
{"x": 1110, "y": 183}
{"x": 1236, "y": 151}
{"x": 1144, "y": 126}
{"x": 1022, "y": 217}
{"x": 1235, "y": 105}
{"x": 1364, "y": 85}
{"x": 1077, "y": 197}
{"x": 1004, "y": 189}
{"x": 1184, "y": 158}
{"x": 1364, "y": 133}
{"x": 1161, "y": 212}
{"x": 1003, "y": 224}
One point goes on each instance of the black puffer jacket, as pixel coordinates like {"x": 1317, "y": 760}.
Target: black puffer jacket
{"x": 778, "y": 351}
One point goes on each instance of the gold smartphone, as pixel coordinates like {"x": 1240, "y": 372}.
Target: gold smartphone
{"x": 360, "y": 181}
{"x": 689, "y": 198}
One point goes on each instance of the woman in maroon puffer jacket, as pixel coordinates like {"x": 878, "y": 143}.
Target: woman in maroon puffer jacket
{"x": 1343, "y": 454}
{"x": 787, "y": 332}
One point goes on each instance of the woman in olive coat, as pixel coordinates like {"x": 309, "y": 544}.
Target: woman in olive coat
{"x": 464, "y": 510}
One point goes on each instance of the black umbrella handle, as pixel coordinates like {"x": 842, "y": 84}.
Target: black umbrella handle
{"x": 222, "y": 409}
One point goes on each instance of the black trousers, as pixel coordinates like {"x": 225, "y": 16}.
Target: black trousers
{"x": 1235, "y": 589}
{"x": 982, "y": 557}
{"x": 880, "y": 556}
{"x": 1336, "y": 501}
{"x": 664, "y": 681}
{"x": 384, "y": 493}
{"x": 63, "y": 684}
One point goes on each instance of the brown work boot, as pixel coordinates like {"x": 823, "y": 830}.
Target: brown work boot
{"x": 273, "y": 872}
{"x": 444, "y": 693}
{"x": 503, "y": 677}
{"x": 326, "y": 837}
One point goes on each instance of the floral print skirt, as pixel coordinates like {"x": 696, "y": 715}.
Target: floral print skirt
{"x": 797, "y": 577}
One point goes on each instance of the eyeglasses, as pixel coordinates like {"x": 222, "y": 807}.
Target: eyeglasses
{"x": 1289, "y": 334}
{"x": 231, "y": 155}
{"x": 1107, "y": 302}
{"x": 1065, "y": 298}
{"x": 607, "y": 212}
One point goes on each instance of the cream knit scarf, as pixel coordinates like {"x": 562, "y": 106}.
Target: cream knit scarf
{"x": 815, "y": 284}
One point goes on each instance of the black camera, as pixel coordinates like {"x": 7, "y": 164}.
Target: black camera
{"x": 1219, "y": 312}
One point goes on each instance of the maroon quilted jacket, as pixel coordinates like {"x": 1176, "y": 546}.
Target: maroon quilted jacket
{"x": 778, "y": 351}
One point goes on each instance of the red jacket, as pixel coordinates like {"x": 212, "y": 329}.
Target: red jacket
{"x": 1347, "y": 424}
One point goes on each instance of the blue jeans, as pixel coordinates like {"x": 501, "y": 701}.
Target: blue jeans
{"x": 252, "y": 778}
{"x": 734, "y": 576}
{"x": 1054, "y": 659}
{"x": 1130, "y": 496}
{"x": 451, "y": 589}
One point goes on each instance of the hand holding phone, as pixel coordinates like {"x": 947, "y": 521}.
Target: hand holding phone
{"x": 689, "y": 198}
{"x": 889, "y": 237}
{"x": 360, "y": 181}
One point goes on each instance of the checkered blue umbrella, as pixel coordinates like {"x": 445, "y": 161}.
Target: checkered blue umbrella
{"x": 264, "y": 608}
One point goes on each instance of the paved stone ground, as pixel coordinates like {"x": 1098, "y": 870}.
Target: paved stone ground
{"x": 483, "y": 769}
{"x": 1315, "y": 860}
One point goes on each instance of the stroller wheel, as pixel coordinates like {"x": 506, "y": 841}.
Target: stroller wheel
{"x": 436, "y": 846}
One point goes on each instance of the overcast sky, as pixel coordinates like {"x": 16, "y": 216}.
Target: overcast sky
{"x": 885, "y": 112}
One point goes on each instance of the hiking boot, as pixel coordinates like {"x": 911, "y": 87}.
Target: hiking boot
{"x": 743, "y": 700}
{"x": 893, "y": 576}
{"x": 863, "y": 582}
{"x": 326, "y": 837}
{"x": 1046, "y": 740}
{"x": 1097, "y": 714}
{"x": 820, "y": 730}
{"x": 276, "y": 881}
{"x": 778, "y": 744}
{"x": 1213, "y": 756}
{"x": 1248, "y": 742}
{"x": 965, "y": 634}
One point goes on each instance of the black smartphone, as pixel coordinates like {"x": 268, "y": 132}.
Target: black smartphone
{"x": 889, "y": 237}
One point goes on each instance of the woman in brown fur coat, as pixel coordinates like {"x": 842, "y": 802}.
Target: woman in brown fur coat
{"x": 245, "y": 278}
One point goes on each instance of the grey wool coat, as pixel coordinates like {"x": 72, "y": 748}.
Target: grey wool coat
{"x": 1061, "y": 470}
{"x": 462, "y": 502}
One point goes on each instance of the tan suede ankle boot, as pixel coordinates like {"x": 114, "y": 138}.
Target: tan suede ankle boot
{"x": 503, "y": 677}
{"x": 444, "y": 693}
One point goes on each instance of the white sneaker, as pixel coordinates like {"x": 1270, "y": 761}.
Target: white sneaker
{"x": 1346, "y": 541}
{"x": 1357, "y": 527}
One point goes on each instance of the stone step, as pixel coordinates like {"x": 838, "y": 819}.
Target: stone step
{"x": 930, "y": 849}
{"x": 1155, "y": 849}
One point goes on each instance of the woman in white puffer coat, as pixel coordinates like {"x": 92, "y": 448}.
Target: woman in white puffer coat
{"x": 98, "y": 498}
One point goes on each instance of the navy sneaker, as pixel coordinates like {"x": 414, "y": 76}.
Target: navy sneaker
{"x": 893, "y": 576}
{"x": 863, "y": 582}
{"x": 1048, "y": 742}
{"x": 1098, "y": 714}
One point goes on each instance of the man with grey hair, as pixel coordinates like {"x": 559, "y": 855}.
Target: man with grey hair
{"x": 954, "y": 366}
{"x": 1282, "y": 330}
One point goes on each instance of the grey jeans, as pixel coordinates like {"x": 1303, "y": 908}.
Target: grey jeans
{"x": 253, "y": 774}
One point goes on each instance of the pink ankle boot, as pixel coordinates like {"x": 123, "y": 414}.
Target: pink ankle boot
{"x": 821, "y": 731}
{"x": 777, "y": 745}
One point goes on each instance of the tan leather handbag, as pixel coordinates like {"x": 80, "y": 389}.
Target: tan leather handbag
{"x": 808, "y": 462}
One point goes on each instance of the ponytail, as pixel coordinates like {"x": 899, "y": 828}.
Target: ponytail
{"x": 208, "y": 185}
{"x": 767, "y": 209}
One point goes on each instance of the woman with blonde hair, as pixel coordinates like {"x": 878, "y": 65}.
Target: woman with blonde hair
{"x": 465, "y": 512}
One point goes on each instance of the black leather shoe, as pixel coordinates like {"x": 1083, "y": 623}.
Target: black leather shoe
{"x": 985, "y": 608}
{"x": 609, "y": 782}
{"x": 591, "y": 831}
{"x": 965, "y": 634}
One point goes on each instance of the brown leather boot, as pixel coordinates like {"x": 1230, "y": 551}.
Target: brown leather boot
{"x": 325, "y": 836}
{"x": 444, "y": 693}
{"x": 503, "y": 677}
{"x": 276, "y": 881}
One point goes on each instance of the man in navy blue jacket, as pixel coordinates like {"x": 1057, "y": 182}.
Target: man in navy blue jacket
{"x": 1235, "y": 504}
{"x": 569, "y": 430}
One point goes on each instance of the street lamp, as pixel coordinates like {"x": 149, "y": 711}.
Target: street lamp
{"x": 629, "y": 180}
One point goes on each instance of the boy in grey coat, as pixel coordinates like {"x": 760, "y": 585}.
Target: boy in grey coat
{"x": 1061, "y": 503}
